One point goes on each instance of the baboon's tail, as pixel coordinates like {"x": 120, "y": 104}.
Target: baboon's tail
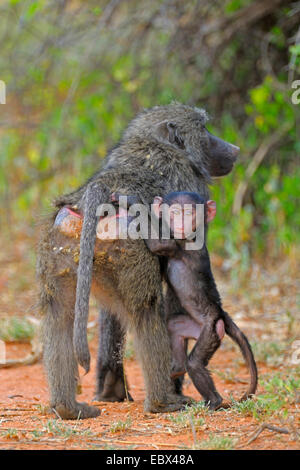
{"x": 238, "y": 337}
{"x": 95, "y": 194}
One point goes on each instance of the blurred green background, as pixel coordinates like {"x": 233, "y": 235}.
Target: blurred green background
{"x": 77, "y": 71}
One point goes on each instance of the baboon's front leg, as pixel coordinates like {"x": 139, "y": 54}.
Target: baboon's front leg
{"x": 110, "y": 378}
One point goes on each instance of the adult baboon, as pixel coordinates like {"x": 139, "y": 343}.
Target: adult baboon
{"x": 164, "y": 149}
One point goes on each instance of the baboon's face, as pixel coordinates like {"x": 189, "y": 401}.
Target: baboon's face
{"x": 205, "y": 149}
{"x": 184, "y": 128}
{"x": 221, "y": 156}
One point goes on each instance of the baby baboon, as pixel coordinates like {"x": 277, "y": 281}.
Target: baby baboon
{"x": 164, "y": 149}
{"x": 188, "y": 272}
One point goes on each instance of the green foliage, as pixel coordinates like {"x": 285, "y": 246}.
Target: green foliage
{"x": 234, "y": 5}
{"x": 193, "y": 416}
{"x": 129, "y": 349}
{"x": 269, "y": 353}
{"x": 16, "y": 329}
{"x": 269, "y": 107}
{"x": 261, "y": 407}
{"x": 121, "y": 426}
{"x": 72, "y": 87}
{"x": 11, "y": 433}
{"x": 58, "y": 428}
{"x": 215, "y": 442}
{"x": 282, "y": 386}
{"x": 279, "y": 389}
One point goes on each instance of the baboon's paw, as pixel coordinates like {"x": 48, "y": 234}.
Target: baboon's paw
{"x": 113, "y": 389}
{"x": 80, "y": 411}
{"x": 157, "y": 407}
{"x": 224, "y": 405}
{"x": 216, "y": 403}
{"x": 112, "y": 397}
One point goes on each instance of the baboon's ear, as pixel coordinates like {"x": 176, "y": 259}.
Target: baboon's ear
{"x": 167, "y": 130}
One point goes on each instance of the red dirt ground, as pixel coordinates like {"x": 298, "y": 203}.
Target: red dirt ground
{"x": 24, "y": 414}
{"x": 259, "y": 309}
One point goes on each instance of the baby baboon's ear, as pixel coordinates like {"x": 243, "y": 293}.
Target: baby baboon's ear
{"x": 168, "y": 131}
{"x": 211, "y": 210}
{"x": 157, "y": 202}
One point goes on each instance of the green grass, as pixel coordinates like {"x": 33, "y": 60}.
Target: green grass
{"x": 121, "y": 426}
{"x": 226, "y": 375}
{"x": 57, "y": 428}
{"x": 43, "y": 409}
{"x": 216, "y": 443}
{"x": 191, "y": 415}
{"x": 36, "y": 434}
{"x": 279, "y": 390}
{"x": 270, "y": 353}
{"x": 10, "y": 433}
{"x": 16, "y": 329}
{"x": 129, "y": 349}
{"x": 283, "y": 386}
{"x": 260, "y": 407}
{"x": 184, "y": 420}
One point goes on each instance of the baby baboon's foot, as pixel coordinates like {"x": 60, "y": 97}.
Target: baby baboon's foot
{"x": 224, "y": 405}
{"x": 214, "y": 403}
{"x": 79, "y": 411}
{"x": 113, "y": 389}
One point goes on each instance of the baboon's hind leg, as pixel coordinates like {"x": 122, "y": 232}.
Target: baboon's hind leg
{"x": 154, "y": 350}
{"x": 60, "y": 362}
{"x": 110, "y": 372}
{"x": 173, "y": 308}
{"x": 205, "y": 347}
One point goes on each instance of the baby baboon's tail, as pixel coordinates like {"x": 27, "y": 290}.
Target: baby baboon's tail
{"x": 238, "y": 337}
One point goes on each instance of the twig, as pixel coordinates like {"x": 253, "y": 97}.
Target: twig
{"x": 36, "y": 353}
{"x": 16, "y": 409}
{"x": 161, "y": 444}
{"x": 102, "y": 23}
{"x": 57, "y": 414}
{"x": 18, "y": 430}
{"x": 264, "y": 426}
{"x": 259, "y": 155}
{"x": 293, "y": 60}
{"x": 193, "y": 430}
{"x": 125, "y": 385}
{"x": 30, "y": 359}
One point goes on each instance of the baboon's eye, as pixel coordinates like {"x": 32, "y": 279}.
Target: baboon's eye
{"x": 188, "y": 212}
{"x": 176, "y": 212}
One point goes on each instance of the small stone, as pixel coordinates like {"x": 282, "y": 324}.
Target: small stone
{"x": 274, "y": 291}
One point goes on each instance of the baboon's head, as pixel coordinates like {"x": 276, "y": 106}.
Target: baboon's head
{"x": 183, "y": 128}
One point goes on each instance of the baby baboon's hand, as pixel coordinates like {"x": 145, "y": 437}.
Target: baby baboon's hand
{"x": 114, "y": 197}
